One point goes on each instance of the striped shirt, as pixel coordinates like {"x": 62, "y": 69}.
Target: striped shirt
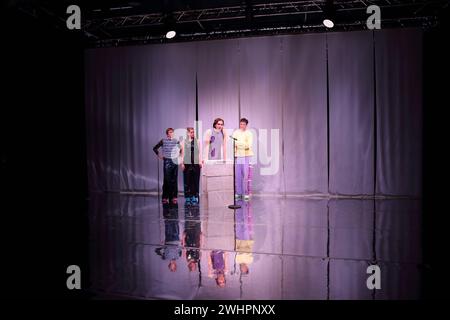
{"x": 170, "y": 148}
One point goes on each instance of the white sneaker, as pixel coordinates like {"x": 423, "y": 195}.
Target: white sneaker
{"x": 247, "y": 197}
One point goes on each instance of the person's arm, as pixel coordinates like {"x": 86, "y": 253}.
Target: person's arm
{"x": 182, "y": 156}
{"x": 156, "y": 147}
{"x": 210, "y": 273}
{"x": 207, "y": 139}
{"x": 224, "y": 152}
{"x": 239, "y": 143}
{"x": 249, "y": 141}
{"x": 200, "y": 243}
{"x": 200, "y": 157}
{"x": 183, "y": 239}
{"x": 225, "y": 262}
{"x": 180, "y": 146}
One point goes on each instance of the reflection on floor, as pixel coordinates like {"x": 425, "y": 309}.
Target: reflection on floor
{"x": 271, "y": 248}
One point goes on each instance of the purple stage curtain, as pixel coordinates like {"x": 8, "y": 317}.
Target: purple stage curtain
{"x": 399, "y": 111}
{"x": 103, "y": 90}
{"x": 350, "y": 65}
{"x": 304, "y": 114}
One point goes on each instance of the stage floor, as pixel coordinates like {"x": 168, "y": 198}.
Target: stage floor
{"x": 292, "y": 248}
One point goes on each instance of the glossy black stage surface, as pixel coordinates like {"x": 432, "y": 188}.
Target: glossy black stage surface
{"x": 274, "y": 248}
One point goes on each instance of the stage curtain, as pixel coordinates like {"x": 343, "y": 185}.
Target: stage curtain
{"x": 351, "y": 121}
{"x": 366, "y": 133}
{"x": 304, "y": 135}
{"x": 103, "y": 89}
{"x": 399, "y": 111}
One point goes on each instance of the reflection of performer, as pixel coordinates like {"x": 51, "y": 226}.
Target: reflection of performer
{"x": 244, "y": 236}
{"x": 215, "y": 141}
{"x": 218, "y": 266}
{"x": 171, "y": 249}
{"x": 243, "y": 153}
{"x": 191, "y": 163}
{"x": 192, "y": 237}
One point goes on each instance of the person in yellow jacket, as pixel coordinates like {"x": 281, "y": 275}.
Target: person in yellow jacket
{"x": 243, "y": 153}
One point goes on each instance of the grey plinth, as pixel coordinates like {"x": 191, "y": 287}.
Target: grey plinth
{"x": 217, "y": 183}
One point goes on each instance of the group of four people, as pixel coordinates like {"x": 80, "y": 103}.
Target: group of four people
{"x": 189, "y": 152}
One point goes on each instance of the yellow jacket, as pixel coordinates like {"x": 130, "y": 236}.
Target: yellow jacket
{"x": 244, "y": 142}
{"x": 244, "y": 250}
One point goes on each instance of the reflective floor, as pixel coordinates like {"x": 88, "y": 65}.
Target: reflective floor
{"x": 271, "y": 248}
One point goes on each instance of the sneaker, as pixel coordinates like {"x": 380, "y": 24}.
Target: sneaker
{"x": 194, "y": 200}
{"x": 247, "y": 197}
{"x": 174, "y": 200}
{"x": 165, "y": 201}
{"x": 237, "y": 196}
{"x": 188, "y": 201}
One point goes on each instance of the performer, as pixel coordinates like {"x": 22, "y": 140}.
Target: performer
{"x": 170, "y": 153}
{"x": 243, "y": 153}
{"x": 191, "y": 163}
{"x": 215, "y": 141}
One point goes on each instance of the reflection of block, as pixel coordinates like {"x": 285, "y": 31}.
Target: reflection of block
{"x": 219, "y": 228}
{"x": 219, "y": 199}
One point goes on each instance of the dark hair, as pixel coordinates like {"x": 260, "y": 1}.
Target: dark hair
{"x": 217, "y": 120}
{"x": 168, "y": 129}
{"x": 243, "y": 120}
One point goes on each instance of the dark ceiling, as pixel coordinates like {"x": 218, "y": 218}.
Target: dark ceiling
{"x": 116, "y": 22}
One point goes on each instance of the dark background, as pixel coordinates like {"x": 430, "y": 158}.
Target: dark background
{"x": 43, "y": 157}
{"x": 44, "y": 164}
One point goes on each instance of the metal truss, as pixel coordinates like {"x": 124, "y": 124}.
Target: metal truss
{"x": 125, "y": 24}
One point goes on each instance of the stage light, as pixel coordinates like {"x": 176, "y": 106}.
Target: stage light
{"x": 328, "y": 23}
{"x": 169, "y": 26}
{"x": 170, "y": 34}
{"x": 329, "y": 14}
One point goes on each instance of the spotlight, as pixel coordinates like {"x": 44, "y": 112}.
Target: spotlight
{"x": 328, "y": 23}
{"x": 169, "y": 26}
{"x": 171, "y": 34}
{"x": 329, "y": 14}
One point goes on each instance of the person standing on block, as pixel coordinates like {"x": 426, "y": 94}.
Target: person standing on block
{"x": 170, "y": 153}
{"x": 215, "y": 141}
{"x": 191, "y": 163}
{"x": 243, "y": 153}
